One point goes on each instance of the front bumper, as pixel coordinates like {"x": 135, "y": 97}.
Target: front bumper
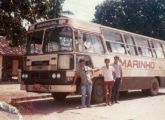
{"x": 49, "y": 88}
{"x": 45, "y": 78}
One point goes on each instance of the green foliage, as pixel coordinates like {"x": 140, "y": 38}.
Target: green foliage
{"x": 14, "y": 12}
{"x": 146, "y": 17}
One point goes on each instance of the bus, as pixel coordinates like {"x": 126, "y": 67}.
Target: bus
{"x": 55, "y": 46}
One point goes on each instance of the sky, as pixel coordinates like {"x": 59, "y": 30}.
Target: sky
{"x": 82, "y": 9}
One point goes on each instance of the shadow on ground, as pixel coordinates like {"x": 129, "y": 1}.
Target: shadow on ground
{"x": 50, "y": 105}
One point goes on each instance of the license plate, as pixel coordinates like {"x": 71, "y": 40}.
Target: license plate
{"x": 36, "y": 86}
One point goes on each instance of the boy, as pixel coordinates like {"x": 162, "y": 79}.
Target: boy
{"x": 109, "y": 78}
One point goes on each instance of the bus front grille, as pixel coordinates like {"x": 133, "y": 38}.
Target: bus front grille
{"x": 39, "y": 75}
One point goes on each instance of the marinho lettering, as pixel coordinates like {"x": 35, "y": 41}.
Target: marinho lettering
{"x": 138, "y": 64}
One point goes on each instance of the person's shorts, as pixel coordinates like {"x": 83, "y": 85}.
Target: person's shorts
{"x": 111, "y": 83}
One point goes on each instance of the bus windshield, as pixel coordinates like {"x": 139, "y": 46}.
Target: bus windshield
{"x": 58, "y": 40}
{"x": 34, "y": 42}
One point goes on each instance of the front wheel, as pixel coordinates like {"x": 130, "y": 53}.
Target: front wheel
{"x": 98, "y": 92}
{"x": 59, "y": 96}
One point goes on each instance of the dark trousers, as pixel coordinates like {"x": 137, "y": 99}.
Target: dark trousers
{"x": 115, "y": 90}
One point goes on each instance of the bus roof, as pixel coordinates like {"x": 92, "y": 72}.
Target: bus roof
{"x": 89, "y": 26}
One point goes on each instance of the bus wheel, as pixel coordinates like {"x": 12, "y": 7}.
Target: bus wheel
{"x": 59, "y": 96}
{"x": 154, "y": 87}
{"x": 98, "y": 91}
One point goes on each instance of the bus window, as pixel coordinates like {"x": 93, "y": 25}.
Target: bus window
{"x": 114, "y": 37}
{"x": 114, "y": 42}
{"x": 34, "y": 42}
{"x": 163, "y": 45}
{"x": 158, "y": 49}
{"x": 78, "y": 42}
{"x": 86, "y": 58}
{"x": 65, "y": 62}
{"x": 143, "y": 47}
{"x": 130, "y": 45}
{"x": 117, "y": 48}
{"x": 57, "y": 40}
{"x": 92, "y": 43}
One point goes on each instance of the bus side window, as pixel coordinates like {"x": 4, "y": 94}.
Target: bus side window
{"x": 153, "y": 50}
{"x": 86, "y": 58}
{"x": 143, "y": 47}
{"x": 93, "y": 43}
{"x": 158, "y": 49}
{"x": 130, "y": 45}
{"x": 163, "y": 45}
{"x": 114, "y": 42}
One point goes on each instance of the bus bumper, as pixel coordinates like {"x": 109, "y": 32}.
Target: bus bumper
{"x": 49, "y": 88}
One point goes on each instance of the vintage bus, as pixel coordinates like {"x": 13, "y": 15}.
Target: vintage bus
{"x": 55, "y": 46}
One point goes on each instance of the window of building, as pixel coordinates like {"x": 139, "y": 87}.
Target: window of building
{"x": 114, "y": 42}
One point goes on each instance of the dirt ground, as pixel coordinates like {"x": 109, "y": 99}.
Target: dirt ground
{"x": 133, "y": 106}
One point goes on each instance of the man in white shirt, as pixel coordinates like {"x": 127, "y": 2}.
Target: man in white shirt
{"x": 109, "y": 78}
{"x": 118, "y": 70}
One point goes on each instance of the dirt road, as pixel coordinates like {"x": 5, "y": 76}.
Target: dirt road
{"x": 133, "y": 106}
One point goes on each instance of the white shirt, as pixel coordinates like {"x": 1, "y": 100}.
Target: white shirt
{"x": 117, "y": 68}
{"x": 108, "y": 76}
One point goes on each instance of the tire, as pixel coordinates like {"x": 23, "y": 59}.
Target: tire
{"x": 59, "y": 96}
{"x": 98, "y": 92}
{"x": 154, "y": 88}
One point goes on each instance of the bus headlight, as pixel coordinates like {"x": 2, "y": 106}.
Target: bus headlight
{"x": 54, "y": 75}
{"x": 25, "y": 76}
{"x": 58, "y": 75}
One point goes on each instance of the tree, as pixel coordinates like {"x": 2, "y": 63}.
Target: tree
{"x": 146, "y": 17}
{"x": 14, "y": 12}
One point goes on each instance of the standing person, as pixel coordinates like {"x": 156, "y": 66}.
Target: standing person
{"x": 109, "y": 77}
{"x": 118, "y": 69}
{"x": 86, "y": 82}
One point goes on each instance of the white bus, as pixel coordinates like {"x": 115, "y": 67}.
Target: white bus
{"x": 55, "y": 46}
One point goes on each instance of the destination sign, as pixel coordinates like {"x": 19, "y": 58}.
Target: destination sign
{"x": 49, "y": 23}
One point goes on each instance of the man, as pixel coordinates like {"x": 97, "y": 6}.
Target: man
{"x": 118, "y": 70}
{"x": 86, "y": 82}
{"x": 109, "y": 77}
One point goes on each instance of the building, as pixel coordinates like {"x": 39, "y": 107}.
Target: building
{"x": 11, "y": 59}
